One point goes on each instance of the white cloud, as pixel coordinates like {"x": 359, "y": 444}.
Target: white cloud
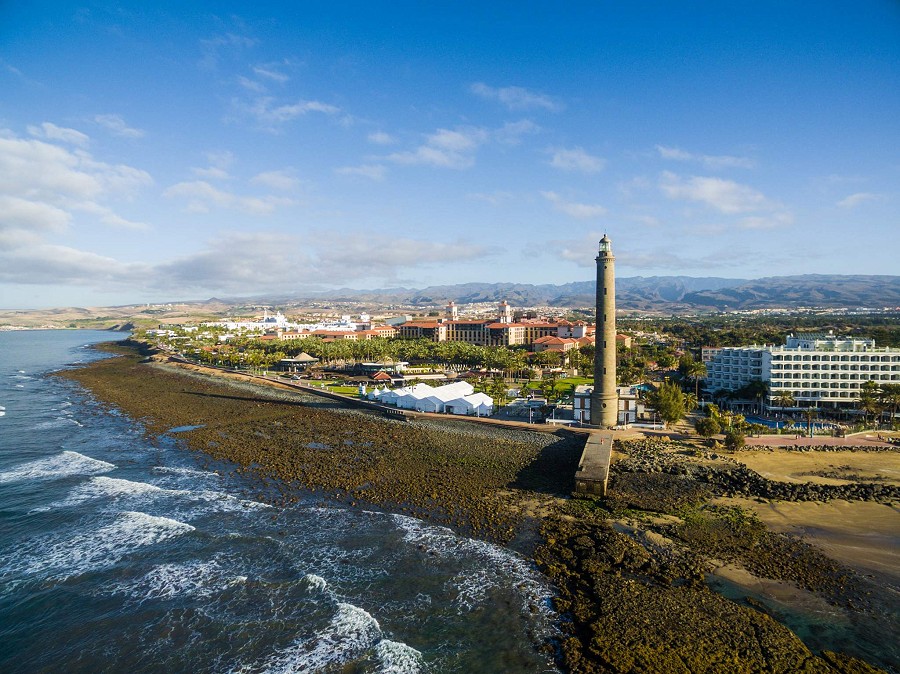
{"x": 768, "y": 221}
{"x": 493, "y": 198}
{"x": 445, "y": 148}
{"x": 710, "y": 161}
{"x": 219, "y": 163}
{"x": 573, "y": 209}
{"x": 107, "y": 216}
{"x": 385, "y": 256}
{"x": 241, "y": 263}
{"x": 52, "y": 132}
{"x": 371, "y": 171}
{"x": 381, "y": 138}
{"x": 516, "y": 98}
{"x": 276, "y": 180}
{"x": 511, "y": 133}
{"x": 42, "y": 185}
{"x": 213, "y": 48}
{"x": 251, "y": 85}
{"x": 117, "y": 126}
{"x": 725, "y": 196}
{"x": 576, "y": 159}
{"x": 857, "y": 198}
{"x": 212, "y": 173}
{"x": 270, "y": 73}
{"x": 457, "y": 141}
{"x": 63, "y": 265}
{"x": 18, "y": 213}
{"x": 270, "y": 115}
{"x": 201, "y": 197}
{"x": 583, "y": 250}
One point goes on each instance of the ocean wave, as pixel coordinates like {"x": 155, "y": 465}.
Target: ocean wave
{"x": 65, "y": 464}
{"x": 177, "y": 470}
{"x": 397, "y": 658}
{"x": 203, "y": 579}
{"x": 316, "y": 582}
{"x": 57, "y": 557}
{"x": 498, "y": 566}
{"x": 350, "y": 634}
{"x": 196, "y": 502}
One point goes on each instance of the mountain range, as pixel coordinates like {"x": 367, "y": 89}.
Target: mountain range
{"x": 655, "y": 293}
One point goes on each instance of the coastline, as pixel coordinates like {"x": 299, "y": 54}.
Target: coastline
{"x": 637, "y": 600}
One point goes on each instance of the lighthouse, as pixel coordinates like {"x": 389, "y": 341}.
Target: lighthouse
{"x": 604, "y": 399}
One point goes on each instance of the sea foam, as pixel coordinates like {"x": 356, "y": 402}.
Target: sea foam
{"x": 351, "y": 633}
{"x": 498, "y": 566}
{"x": 397, "y": 658}
{"x": 203, "y": 579}
{"x": 90, "y": 550}
{"x": 65, "y": 464}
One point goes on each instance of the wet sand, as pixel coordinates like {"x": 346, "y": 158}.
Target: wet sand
{"x": 831, "y": 467}
{"x": 864, "y": 536}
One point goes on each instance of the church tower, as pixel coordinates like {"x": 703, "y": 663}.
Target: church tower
{"x": 604, "y": 399}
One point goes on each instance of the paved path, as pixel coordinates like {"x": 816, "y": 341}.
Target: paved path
{"x": 861, "y": 440}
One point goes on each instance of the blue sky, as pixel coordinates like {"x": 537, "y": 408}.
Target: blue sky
{"x": 186, "y": 150}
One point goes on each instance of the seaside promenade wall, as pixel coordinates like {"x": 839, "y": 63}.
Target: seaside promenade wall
{"x": 375, "y": 408}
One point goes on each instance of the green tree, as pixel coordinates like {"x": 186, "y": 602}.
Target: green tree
{"x": 755, "y": 389}
{"x": 668, "y": 401}
{"x": 890, "y": 398}
{"x": 734, "y": 439}
{"x": 707, "y": 427}
{"x": 690, "y": 403}
{"x": 810, "y": 413}
{"x": 870, "y": 399}
{"x": 696, "y": 370}
{"x": 785, "y": 399}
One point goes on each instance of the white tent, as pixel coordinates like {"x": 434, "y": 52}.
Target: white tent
{"x": 477, "y": 404}
{"x": 436, "y": 401}
{"x": 432, "y": 403}
{"x": 378, "y": 394}
{"x": 408, "y": 397}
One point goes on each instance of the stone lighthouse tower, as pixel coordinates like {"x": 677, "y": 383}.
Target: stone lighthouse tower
{"x": 605, "y": 400}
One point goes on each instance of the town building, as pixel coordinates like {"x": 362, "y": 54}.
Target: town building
{"x": 630, "y": 406}
{"x": 819, "y": 370}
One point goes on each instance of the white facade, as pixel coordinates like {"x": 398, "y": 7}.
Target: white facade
{"x": 628, "y": 404}
{"x": 821, "y": 369}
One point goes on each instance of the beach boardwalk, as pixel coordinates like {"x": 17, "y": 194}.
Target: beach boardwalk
{"x": 593, "y": 469}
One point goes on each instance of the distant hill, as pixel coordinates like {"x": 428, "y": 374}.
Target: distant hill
{"x": 658, "y": 293}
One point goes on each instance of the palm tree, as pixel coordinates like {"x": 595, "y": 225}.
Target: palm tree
{"x": 810, "y": 413}
{"x": 696, "y": 370}
{"x": 757, "y": 388}
{"x": 870, "y": 399}
{"x": 690, "y": 402}
{"x": 890, "y": 397}
{"x": 785, "y": 399}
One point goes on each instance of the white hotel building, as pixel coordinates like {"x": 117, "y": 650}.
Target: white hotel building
{"x": 820, "y": 370}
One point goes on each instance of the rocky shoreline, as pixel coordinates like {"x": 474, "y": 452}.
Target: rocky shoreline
{"x": 630, "y": 570}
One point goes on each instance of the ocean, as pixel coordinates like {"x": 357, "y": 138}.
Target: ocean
{"x": 121, "y": 552}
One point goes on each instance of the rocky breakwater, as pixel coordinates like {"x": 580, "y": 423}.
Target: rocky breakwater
{"x": 633, "y": 570}
{"x": 725, "y": 476}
